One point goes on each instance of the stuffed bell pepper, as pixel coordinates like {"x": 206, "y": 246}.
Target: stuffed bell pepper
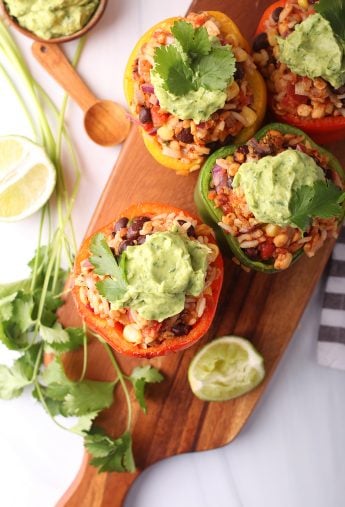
{"x": 192, "y": 86}
{"x": 149, "y": 282}
{"x": 272, "y": 199}
{"x": 300, "y": 50}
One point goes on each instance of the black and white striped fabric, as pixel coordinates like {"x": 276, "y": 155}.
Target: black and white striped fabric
{"x": 331, "y": 345}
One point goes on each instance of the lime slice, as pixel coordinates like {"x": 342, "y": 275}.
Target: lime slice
{"x": 225, "y": 368}
{"x": 27, "y": 178}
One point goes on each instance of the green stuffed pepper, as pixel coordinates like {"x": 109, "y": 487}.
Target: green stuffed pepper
{"x": 272, "y": 199}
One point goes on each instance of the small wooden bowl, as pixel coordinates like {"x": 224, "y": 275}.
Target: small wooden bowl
{"x": 91, "y": 23}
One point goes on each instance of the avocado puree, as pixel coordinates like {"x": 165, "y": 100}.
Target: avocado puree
{"x": 161, "y": 272}
{"x": 197, "y": 105}
{"x": 270, "y": 182}
{"x": 52, "y": 18}
{"x": 313, "y": 50}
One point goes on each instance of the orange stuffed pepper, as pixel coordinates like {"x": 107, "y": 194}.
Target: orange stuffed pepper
{"x": 149, "y": 282}
{"x": 192, "y": 87}
{"x": 301, "y": 55}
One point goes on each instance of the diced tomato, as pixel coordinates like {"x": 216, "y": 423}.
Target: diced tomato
{"x": 147, "y": 126}
{"x": 266, "y": 250}
{"x": 158, "y": 118}
{"x": 153, "y": 330}
{"x": 291, "y": 101}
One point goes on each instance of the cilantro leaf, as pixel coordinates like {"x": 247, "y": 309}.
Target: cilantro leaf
{"x": 110, "y": 454}
{"x": 140, "y": 376}
{"x": 110, "y": 289}
{"x": 7, "y": 289}
{"x": 216, "y": 69}
{"x": 54, "y": 334}
{"x": 78, "y": 398}
{"x": 76, "y": 337}
{"x": 6, "y": 308}
{"x": 12, "y": 382}
{"x": 88, "y": 396}
{"x": 174, "y": 71}
{"x": 102, "y": 259}
{"x": 334, "y": 12}
{"x": 194, "y": 41}
{"x": 14, "y": 379}
{"x": 22, "y": 309}
{"x": 84, "y": 423}
{"x": 105, "y": 264}
{"x": 321, "y": 200}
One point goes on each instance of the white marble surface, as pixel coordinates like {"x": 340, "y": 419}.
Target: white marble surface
{"x": 290, "y": 454}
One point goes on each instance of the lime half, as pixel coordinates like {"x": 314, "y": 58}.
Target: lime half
{"x": 27, "y": 178}
{"x": 225, "y": 368}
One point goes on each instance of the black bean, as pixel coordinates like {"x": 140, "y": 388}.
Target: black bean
{"x": 260, "y": 42}
{"x": 185, "y": 136}
{"x": 124, "y": 244}
{"x": 239, "y": 73}
{"x": 121, "y": 223}
{"x": 145, "y": 115}
{"x": 180, "y": 329}
{"x": 340, "y": 91}
{"x": 141, "y": 239}
{"x": 190, "y": 230}
{"x": 276, "y": 14}
{"x": 138, "y": 222}
{"x": 252, "y": 253}
{"x": 132, "y": 233}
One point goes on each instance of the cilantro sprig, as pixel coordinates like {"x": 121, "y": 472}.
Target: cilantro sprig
{"x": 28, "y": 308}
{"x": 104, "y": 263}
{"x": 334, "y": 12}
{"x": 322, "y": 200}
{"x": 194, "y": 61}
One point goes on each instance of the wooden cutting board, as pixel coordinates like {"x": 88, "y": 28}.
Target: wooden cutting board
{"x": 264, "y": 308}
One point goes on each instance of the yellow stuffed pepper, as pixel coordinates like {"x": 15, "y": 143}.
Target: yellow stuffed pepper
{"x": 191, "y": 85}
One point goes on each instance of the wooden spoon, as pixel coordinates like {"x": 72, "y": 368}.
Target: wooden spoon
{"x": 105, "y": 121}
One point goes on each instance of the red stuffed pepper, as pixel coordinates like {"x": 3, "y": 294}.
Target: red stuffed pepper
{"x": 300, "y": 52}
{"x": 149, "y": 282}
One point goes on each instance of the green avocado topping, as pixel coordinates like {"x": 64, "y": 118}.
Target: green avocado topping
{"x": 190, "y": 76}
{"x": 157, "y": 275}
{"x": 270, "y": 183}
{"x": 314, "y": 50}
{"x": 52, "y": 18}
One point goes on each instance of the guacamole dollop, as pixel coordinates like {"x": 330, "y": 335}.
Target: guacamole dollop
{"x": 313, "y": 50}
{"x": 197, "y": 105}
{"x": 161, "y": 272}
{"x": 270, "y": 182}
{"x": 52, "y": 18}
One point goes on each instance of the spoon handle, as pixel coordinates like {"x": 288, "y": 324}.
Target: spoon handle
{"x": 51, "y": 57}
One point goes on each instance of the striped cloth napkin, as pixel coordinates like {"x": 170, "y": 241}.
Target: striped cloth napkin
{"x": 331, "y": 344}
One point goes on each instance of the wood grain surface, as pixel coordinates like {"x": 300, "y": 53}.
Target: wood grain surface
{"x": 264, "y": 308}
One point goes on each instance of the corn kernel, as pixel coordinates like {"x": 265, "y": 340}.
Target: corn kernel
{"x": 303, "y": 4}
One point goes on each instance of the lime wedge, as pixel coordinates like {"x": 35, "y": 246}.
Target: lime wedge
{"x": 225, "y": 368}
{"x": 27, "y": 178}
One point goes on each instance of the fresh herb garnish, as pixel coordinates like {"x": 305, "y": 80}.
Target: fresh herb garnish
{"x": 322, "y": 200}
{"x": 110, "y": 454}
{"x": 140, "y": 376}
{"x": 194, "y": 41}
{"x": 105, "y": 263}
{"x": 102, "y": 259}
{"x": 334, "y": 12}
{"x": 200, "y": 62}
{"x": 28, "y": 308}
